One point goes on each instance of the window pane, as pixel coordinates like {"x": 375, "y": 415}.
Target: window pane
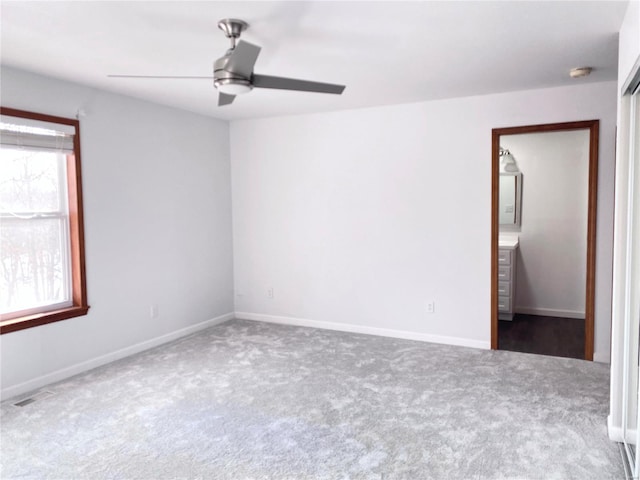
{"x": 34, "y": 263}
{"x": 32, "y": 181}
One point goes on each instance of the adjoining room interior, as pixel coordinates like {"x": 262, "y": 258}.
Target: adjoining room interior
{"x": 274, "y": 240}
{"x": 546, "y": 182}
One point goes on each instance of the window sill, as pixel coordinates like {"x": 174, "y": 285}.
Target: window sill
{"x": 35, "y": 320}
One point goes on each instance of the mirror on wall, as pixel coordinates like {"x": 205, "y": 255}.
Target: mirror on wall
{"x": 510, "y": 202}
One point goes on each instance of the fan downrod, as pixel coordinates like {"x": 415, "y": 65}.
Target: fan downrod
{"x": 232, "y": 28}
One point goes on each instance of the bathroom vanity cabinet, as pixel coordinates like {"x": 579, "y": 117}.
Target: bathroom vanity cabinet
{"x": 506, "y": 279}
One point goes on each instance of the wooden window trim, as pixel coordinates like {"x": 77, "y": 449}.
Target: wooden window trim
{"x": 79, "y": 305}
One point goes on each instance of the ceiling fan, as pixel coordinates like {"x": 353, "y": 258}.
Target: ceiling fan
{"x": 233, "y": 73}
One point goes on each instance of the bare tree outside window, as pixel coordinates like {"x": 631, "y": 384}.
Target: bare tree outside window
{"x": 33, "y": 230}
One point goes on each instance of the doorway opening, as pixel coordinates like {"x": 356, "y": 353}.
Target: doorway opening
{"x": 543, "y": 264}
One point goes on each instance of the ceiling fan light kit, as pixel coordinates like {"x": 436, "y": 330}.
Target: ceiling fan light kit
{"x": 233, "y": 86}
{"x": 233, "y": 73}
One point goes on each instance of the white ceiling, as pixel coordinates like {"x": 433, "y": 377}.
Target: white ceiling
{"x": 384, "y": 52}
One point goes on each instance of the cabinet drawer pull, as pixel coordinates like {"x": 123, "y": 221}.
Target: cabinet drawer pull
{"x": 504, "y": 305}
{"x": 504, "y": 257}
{"x": 504, "y": 273}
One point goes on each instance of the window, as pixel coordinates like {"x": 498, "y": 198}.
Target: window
{"x": 42, "y": 274}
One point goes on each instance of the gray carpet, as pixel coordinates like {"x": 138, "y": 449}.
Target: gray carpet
{"x": 250, "y": 400}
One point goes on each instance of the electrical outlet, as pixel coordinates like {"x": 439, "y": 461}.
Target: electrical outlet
{"x": 270, "y": 292}
{"x": 431, "y": 306}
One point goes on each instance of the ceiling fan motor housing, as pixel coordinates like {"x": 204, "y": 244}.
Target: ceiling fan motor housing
{"x": 223, "y": 79}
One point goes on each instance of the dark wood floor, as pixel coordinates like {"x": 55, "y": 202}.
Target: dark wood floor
{"x": 560, "y": 337}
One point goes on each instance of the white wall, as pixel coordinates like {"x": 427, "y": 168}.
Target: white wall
{"x": 552, "y": 268}
{"x": 157, "y": 209}
{"x": 356, "y": 219}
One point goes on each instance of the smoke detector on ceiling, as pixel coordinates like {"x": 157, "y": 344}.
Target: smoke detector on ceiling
{"x": 580, "y": 72}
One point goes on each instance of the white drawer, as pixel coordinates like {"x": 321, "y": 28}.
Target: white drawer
{"x": 504, "y": 257}
{"x": 504, "y": 288}
{"x": 504, "y": 304}
{"x": 504, "y": 273}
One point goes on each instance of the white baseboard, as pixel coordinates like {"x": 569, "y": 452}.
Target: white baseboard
{"x": 550, "y": 312}
{"x": 67, "y": 372}
{"x": 601, "y": 357}
{"x": 382, "y": 332}
{"x": 616, "y": 433}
